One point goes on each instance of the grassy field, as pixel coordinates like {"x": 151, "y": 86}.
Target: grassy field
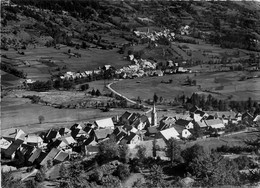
{"x": 19, "y": 112}
{"x": 9, "y": 79}
{"x": 225, "y": 83}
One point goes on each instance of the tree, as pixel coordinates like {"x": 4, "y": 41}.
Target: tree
{"x": 40, "y": 176}
{"x": 108, "y": 150}
{"x": 97, "y": 93}
{"x": 141, "y": 153}
{"x": 63, "y": 171}
{"x": 155, "y": 98}
{"x": 123, "y": 171}
{"x": 84, "y": 87}
{"x": 155, "y": 148}
{"x": 31, "y": 184}
{"x": 93, "y": 92}
{"x": 173, "y": 151}
{"x": 41, "y": 119}
{"x": 124, "y": 152}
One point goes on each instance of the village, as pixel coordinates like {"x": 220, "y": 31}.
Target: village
{"x": 82, "y": 140}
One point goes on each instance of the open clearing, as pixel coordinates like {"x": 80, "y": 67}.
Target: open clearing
{"x": 219, "y": 84}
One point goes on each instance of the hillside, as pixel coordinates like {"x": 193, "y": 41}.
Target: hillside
{"x": 104, "y": 32}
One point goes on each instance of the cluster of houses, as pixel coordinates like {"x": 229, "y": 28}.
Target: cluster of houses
{"x": 155, "y": 36}
{"x": 58, "y": 145}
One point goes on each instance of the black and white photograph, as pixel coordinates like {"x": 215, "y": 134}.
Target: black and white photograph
{"x": 130, "y": 94}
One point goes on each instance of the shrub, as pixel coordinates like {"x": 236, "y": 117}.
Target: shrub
{"x": 122, "y": 171}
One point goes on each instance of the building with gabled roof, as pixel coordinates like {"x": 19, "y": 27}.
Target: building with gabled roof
{"x": 215, "y": 123}
{"x": 52, "y": 135}
{"x": 4, "y": 144}
{"x": 125, "y": 116}
{"x": 183, "y": 132}
{"x": 69, "y": 140}
{"x": 33, "y": 140}
{"x": 13, "y": 134}
{"x": 104, "y": 123}
{"x": 257, "y": 118}
{"x": 184, "y": 123}
{"x": 78, "y": 133}
{"x": 64, "y": 131}
{"x": 61, "y": 157}
{"x": 169, "y": 133}
{"x": 34, "y": 155}
{"x": 49, "y": 156}
{"x": 101, "y": 134}
{"x": 131, "y": 138}
{"x": 10, "y": 151}
{"x": 76, "y": 126}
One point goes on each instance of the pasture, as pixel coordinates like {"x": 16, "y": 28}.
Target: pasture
{"x": 222, "y": 85}
{"x": 90, "y": 59}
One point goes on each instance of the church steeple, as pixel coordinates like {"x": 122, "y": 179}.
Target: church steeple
{"x": 154, "y": 116}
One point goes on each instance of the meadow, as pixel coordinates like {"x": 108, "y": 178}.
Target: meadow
{"x": 223, "y": 85}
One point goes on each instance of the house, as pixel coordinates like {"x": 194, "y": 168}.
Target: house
{"x": 183, "y": 132}
{"x": 79, "y": 133}
{"x": 184, "y": 123}
{"x": 133, "y": 117}
{"x": 166, "y": 122}
{"x": 64, "y": 131}
{"x": 101, "y": 134}
{"x": 61, "y": 157}
{"x": 91, "y": 150}
{"x": 141, "y": 122}
{"x": 90, "y": 141}
{"x": 168, "y": 133}
{"x": 49, "y": 156}
{"x": 10, "y": 151}
{"x": 33, "y": 140}
{"x": 4, "y": 144}
{"x": 36, "y": 153}
{"x": 104, "y": 123}
{"x": 76, "y": 126}
{"x": 27, "y": 150}
{"x": 202, "y": 124}
{"x": 61, "y": 145}
{"x": 198, "y": 115}
{"x": 215, "y": 124}
{"x": 69, "y": 140}
{"x": 132, "y": 138}
{"x": 52, "y": 135}
{"x": 152, "y": 131}
{"x": 247, "y": 117}
{"x": 13, "y": 134}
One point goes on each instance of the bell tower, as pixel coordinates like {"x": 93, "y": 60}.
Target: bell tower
{"x": 154, "y": 116}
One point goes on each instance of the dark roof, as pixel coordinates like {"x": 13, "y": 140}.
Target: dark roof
{"x": 182, "y": 122}
{"x": 88, "y": 129}
{"x": 51, "y": 134}
{"x": 89, "y": 140}
{"x": 178, "y": 128}
{"x": 136, "y": 122}
{"x": 41, "y": 157}
{"x": 75, "y": 126}
{"x": 62, "y": 156}
{"x": 126, "y": 115}
{"x": 152, "y": 130}
{"x": 55, "y": 144}
{"x": 194, "y": 109}
{"x": 247, "y": 114}
{"x": 35, "y": 155}
{"x": 50, "y": 156}
{"x": 117, "y": 130}
{"x": 77, "y": 132}
{"x": 63, "y": 131}
{"x": 133, "y": 117}
{"x": 103, "y": 133}
{"x": 127, "y": 127}
{"x": 27, "y": 149}
{"x": 120, "y": 136}
{"x": 13, "y": 147}
{"x": 144, "y": 118}
{"x": 201, "y": 113}
{"x": 129, "y": 137}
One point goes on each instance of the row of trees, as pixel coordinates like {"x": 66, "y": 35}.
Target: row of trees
{"x": 13, "y": 71}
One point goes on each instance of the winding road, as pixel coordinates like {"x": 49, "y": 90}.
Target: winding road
{"x": 129, "y": 100}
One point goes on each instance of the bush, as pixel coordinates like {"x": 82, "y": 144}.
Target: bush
{"x": 40, "y": 176}
{"x": 123, "y": 171}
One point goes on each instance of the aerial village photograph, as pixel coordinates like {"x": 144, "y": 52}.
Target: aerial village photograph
{"x": 130, "y": 94}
